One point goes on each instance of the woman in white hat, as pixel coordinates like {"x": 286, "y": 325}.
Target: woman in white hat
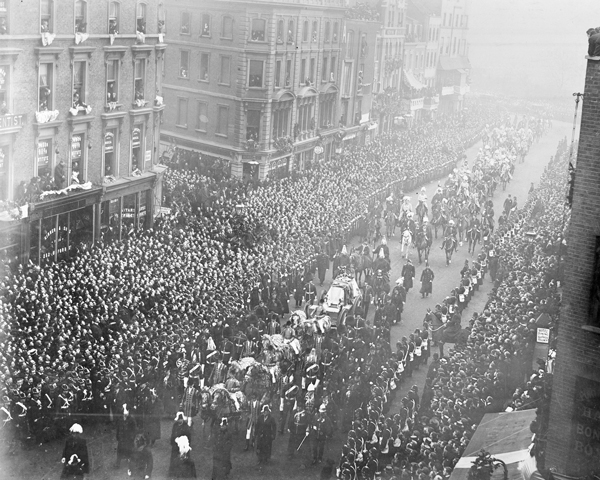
{"x": 75, "y": 455}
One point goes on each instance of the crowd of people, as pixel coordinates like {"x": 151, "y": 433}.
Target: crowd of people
{"x": 428, "y": 436}
{"x": 135, "y": 325}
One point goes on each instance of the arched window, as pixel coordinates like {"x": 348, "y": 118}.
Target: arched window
{"x": 335, "y": 32}
{"x": 291, "y": 34}
{"x": 350, "y": 44}
{"x": 280, "y": 31}
{"x": 114, "y": 17}
{"x": 140, "y": 18}
{"x": 327, "y": 33}
{"x": 305, "y": 31}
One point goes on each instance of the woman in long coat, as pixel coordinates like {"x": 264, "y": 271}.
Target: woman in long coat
{"x": 266, "y": 430}
{"x": 222, "y": 452}
{"x": 427, "y": 277}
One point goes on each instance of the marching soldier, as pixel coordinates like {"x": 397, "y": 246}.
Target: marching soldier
{"x": 298, "y": 429}
{"x": 287, "y": 404}
{"x": 321, "y": 429}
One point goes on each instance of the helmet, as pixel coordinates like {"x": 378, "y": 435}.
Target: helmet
{"x": 425, "y": 220}
{"x": 451, "y": 222}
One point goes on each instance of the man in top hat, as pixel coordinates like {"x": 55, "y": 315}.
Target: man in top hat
{"x": 75, "y": 455}
{"x": 126, "y": 431}
{"x": 427, "y": 277}
{"x": 266, "y": 431}
{"x": 321, "y": 429}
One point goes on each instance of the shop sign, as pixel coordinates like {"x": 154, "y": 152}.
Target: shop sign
{"x": 109, "y": 143}
{"x": 76, "y": 141}
{"x": 543, "y": 335}
{"x": 148, "y": 156}
{"x": 12, "y": 121}
{"x": 43, "y": 153}
{"x": 585, "y": 441}
{"x": 136, "y": 138}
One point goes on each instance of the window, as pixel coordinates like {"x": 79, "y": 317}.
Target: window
{"x": 46, "y": 87}
{"x": 291, "y": 33}
{"x": 335, "y": 32}
{"x": 333, "y": 69}
{"x": 139, "y": 79}
{"x": 444, "y": 21}
{"x": 255, "y": 78}
{"x": 110, "y": 153}
{"x": 140, "y": 18}
{"x": 205, "y": 32}
{"x": 78, "y": 161}
{"x": 253, "y": 125}
{"x": 327, "y": 32}
{"x": 4, "y": 90}
{"x": 113, "y": 17}
{"x": 278, "y": 73}
{"x": 202, "y": 117}
{"x": 137, "y": 150}
{"x": 184, "y": 64}
{"x": 281, "y": 119}
{"x": 324, "y": 76}
{"x": 450, "y": 20}
{"x": 46, "y": 16}
{"x": 258, "y": 29}
{"x": 79, "y": 82}
{"x": 204, "y": 67}
{"x": 112, "y": 81}
{"x": 4, "y": 160}
{"x": 223, "y": 120}
{"x": 184, "y": 29}
{"x": 161, "y": 19}
{"x": 288, "y": 73}
{"x": 312, "y": 71}
{"x": 182, "y": 104}
{"x": 224, "y": 79}
{"x": 305, "y": 31}
{"x": 4, "y": 17}
{"x": 227, "y": 27}
{"x": 347, "y": 78}
{"x": 280, "y": 31}
{"x": 80, "y": 16}
{"x": 315, "y": 31}
{"x": 303, "y": 78}
{"x": 45, "y": 151}
{"x": 350, "y": 46}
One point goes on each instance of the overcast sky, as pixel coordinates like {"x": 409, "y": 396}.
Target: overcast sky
{"x": 530, "y": 48}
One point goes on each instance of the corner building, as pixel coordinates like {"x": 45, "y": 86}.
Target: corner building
{"x": 79, "y": 123}
{"x": 254, "y": 84}
{"x": 573, "y": 439}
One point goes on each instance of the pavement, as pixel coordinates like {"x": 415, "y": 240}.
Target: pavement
{"x": 43, "y": 461}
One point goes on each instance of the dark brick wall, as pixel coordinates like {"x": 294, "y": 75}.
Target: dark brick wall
{"x": 578, "y": 352}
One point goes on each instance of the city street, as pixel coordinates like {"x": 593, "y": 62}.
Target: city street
{"x": 43, "y": 462}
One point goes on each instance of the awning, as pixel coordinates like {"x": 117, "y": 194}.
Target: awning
{"x": 307, "y": 92}
{"x": 505, "y": 436}
{"x": 284, "y": 95}
{"x": 454, "y": 63}
{"x": 329, "y": 87}
{"x": 412, "y": 81}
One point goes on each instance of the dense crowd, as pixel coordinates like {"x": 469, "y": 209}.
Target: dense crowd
{"x": 127, "y": 323}
{"x": 428, "y": 436}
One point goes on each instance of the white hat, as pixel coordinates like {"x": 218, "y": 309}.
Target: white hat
{"x": 76, "y": 428}
{"x": 311, "y": 387}
{"x": 180, "y": 414}
{"x": 344, "y": 250}
{"x": 266, "y": 408}
{"x": 322, "y": 408}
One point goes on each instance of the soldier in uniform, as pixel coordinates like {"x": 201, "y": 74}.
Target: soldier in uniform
{"x": 298, "y": 428}
{"x": 321, "y": 429}
{"x": 288, "y": 399}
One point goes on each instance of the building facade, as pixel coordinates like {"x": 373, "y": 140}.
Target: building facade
{"x": 573, "y": 439}
{"x": 79, "y": 123}
{"x": 254, "y": 84}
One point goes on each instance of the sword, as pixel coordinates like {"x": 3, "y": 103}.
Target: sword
{"x": 302, "y": 442}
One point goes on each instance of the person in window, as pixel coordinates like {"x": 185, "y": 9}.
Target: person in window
{"x": 44, "y": 98}
{"x": 4, "y": 109}
{"x": 205, "y": 29}
{"x": 75, "y": 173}
{"x": 161, "y": 26}
{"x": 139, "y": 90}
{"x": 3, "y": 27}
{"x": 60, "y": 177}
{"x": 45, "y": 27}
{"x": 112, "y": 26}
{"x": 593, "y": 42}
{"x": 80, "y": 26}
{"x": 184, "y": 29}
{"x": 111, "y": 94}
{"x": 290, "y": 37}
{"x": 141, "y": 25}
{"x": 183, "y": 73}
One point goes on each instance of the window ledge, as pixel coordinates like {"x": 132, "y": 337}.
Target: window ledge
{"x": 116, "y": 107}
{"x": 115, "y": 48}
{"x": 142, "y": 48}
{"x": 112, "y": 115}
{"x": 199, "y": 130}
{"x": 224, "y": 84}
{"x": 183, "y": 78}
{"x": 203, "y": 81}
{"x": 591, "y": 328}
{"x": 79, "y": 119}
{"x": 258, "y": 41}
{"x": 205, "y": 36}
{"x": 222, "y": 135}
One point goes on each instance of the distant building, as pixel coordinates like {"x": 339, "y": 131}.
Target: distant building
{"x": 256, "y": 84}
{"x": 573, "y": 437}
{"x": 79, "y": 106}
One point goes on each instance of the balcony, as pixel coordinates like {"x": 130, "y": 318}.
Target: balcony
{"x": 447, "y": 91}
{"x": 431, "y": 103}
{"x": 462, "y": 89}
{"x": 413, "y": 104}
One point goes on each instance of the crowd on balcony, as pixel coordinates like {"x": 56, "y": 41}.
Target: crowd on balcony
{"x": 107, "y": 327}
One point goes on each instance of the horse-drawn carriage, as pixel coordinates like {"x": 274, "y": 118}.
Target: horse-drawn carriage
{"x": 342, "y": 299}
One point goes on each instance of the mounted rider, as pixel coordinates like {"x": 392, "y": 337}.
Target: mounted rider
{"x": 383, "y": 247}
{"x": 451, "y": 230}
{"x": 422, "y": 209}
{"x": 438, "y": 197}
{"x": 426, "y": 229}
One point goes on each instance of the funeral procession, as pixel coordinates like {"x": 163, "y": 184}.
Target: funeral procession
{"x": 299, "y": 239}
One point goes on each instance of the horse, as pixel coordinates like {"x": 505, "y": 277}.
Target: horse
{"x": 449, "y": 245}
{"x": 505, "y": 178}
{"x": 357, "y": 262}
{"x": 423, "y": 245}
{"x": 207, "y": 413}
{"x": 406, "y": 242}
{"x": 367, "y": 262}
{"x": 474, "y": 237}
{"x": 390, "y": 223}
{"x": 421, "y": 211}
{"x": 440, "y": 219}
{"x": 461, "y": 226}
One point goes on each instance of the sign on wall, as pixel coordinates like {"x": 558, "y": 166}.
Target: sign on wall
{"x": 136, "y": 137}
{"x": 43, "y": 153}
{"x": 109, "y": 143}
{"x": 76, "y": 141}
{"x": 543, "y": 335}
{"x": 148, "y": 156}
{"x": 585, "y": 437}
